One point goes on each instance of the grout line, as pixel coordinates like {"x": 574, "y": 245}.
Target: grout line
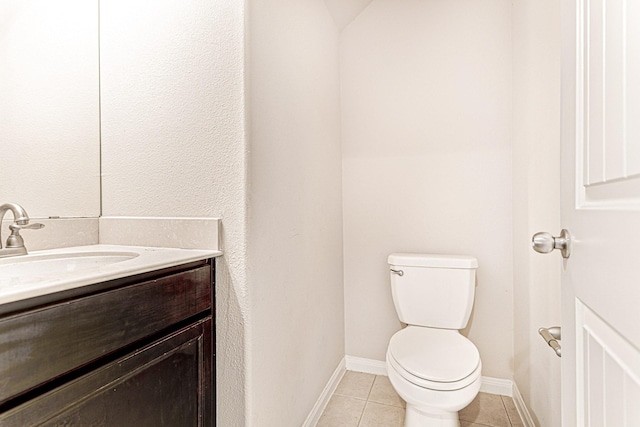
{"x": 519, "y": 421}
{"x": 350, "y": 397}
{"x": 371, "y": 388}
{"x": 385, "y": 404}
{"x": 364, "y": 408}
{"x": 506, "y": 411}
{"x": 475, "y": 423}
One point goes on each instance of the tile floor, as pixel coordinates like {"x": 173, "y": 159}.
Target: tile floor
{"x": 367, "y": 400}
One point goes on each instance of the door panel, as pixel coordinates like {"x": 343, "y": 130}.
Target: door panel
{"x": 601, "y": 208}
{"x": 608, "y": 103}
{"x": 609, "y": 384}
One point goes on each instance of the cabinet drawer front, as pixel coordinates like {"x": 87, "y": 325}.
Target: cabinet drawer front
{"x": 46, "y": 343}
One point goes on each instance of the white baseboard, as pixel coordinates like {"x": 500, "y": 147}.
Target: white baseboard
{"x": 323, "y": 400}
{"x": 527, "y": 420}
{"x": 368, "y": 366}
{"x": 497, "y": 386}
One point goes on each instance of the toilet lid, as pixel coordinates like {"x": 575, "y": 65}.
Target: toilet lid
{"x": 439, "y": 355}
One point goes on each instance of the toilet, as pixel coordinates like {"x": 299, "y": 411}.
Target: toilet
{"x": 434, "y": 368}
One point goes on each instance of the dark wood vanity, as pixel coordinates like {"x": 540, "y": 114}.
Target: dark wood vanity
{"x": 136, "y": 351}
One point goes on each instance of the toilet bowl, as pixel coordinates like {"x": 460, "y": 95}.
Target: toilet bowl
{"x": 435, "y": 369}
{"x": 436, "y": 372}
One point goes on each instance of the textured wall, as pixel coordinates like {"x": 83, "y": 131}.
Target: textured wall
{"x": 49, "y": 112}
{"x": 172, "y": 92}
{"x": 426, "y": 128}
{"x": 295, "y": 217}
{"x": 536, "y": 207}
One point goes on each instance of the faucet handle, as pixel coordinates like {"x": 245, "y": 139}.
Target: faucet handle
{"x": 15, "y": 239}
{"x": 17, "y": 227}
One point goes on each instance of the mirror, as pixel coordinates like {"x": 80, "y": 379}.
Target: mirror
{"x": 50, "y": 107}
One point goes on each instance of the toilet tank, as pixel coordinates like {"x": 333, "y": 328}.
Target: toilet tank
{"x": 433, "y": 290}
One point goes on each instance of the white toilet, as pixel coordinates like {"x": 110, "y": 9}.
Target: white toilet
{"x": 434, "y": 368}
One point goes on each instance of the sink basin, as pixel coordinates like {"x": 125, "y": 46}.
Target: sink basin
{"x": 59, "y": 263}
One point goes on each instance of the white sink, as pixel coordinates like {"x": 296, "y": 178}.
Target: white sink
{"x": 66, "y": 262}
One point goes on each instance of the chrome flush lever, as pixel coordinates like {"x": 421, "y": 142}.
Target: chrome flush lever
{"x": 398, "y": 272}
{"x": 544, "y": 243}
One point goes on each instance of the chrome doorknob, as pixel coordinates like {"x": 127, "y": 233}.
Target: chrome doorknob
{"x": 545, "y": 242}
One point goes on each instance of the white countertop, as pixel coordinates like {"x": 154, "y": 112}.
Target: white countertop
{"x": 49, "y": 271}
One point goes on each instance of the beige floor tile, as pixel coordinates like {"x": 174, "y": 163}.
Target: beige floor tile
{"x": 512, "y": 412}
{"x": 342, "y": 412}
{"x": 366, "y": 400}
{"x": 383, "y": 392}
{"x": 378, "y": 415}
{"x": 486, "y": 409}
{"x": 355, "y": 384}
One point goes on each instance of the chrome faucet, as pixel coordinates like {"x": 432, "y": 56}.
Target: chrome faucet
{"x": 15, "y": 243}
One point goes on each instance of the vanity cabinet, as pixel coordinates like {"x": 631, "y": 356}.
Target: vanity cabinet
{"x": 132, "y": 352}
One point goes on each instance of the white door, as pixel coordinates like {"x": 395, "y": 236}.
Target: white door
{"x": 601, "y": 209}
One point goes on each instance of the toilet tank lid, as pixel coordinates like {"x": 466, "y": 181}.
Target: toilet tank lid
{"x": 433, "y": 260}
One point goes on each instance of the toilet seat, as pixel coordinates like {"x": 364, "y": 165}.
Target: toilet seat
{"x": 437, "y": 359}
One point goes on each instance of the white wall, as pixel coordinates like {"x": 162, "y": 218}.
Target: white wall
{"x": 173, "y": 106}
{"x": 173, "y": 142}
{"x": 295, "y": 217}
{"x": 426, "y": 127}
{"x": 536, "y": 161}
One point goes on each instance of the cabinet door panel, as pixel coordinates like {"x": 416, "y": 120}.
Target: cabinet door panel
{"x": 168, "y": 383}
